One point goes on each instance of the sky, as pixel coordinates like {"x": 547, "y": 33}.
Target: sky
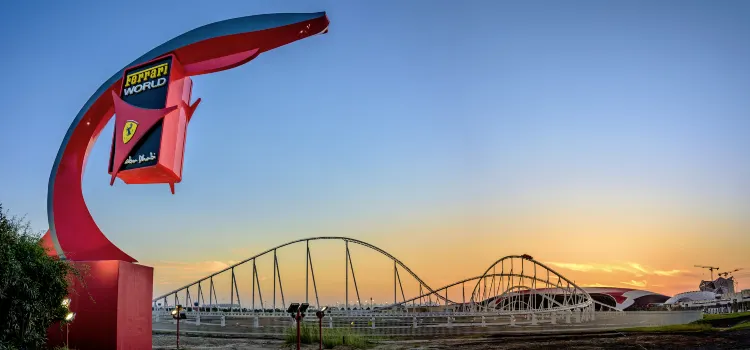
{"x": 608, "y": 140}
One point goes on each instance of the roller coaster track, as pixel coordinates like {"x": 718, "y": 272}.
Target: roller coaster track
{"x": 512, "y": 290}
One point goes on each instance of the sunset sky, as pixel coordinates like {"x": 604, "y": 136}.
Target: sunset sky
{"x": 609, "y": 140}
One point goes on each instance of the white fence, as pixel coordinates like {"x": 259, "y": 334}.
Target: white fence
{"x": 438, "y": 324}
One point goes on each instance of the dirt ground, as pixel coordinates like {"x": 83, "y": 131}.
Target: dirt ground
{"x": 611, "y": 340}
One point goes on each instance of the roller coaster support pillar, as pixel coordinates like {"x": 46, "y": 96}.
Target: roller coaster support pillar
{"x": 578, "y": 315}
{"x": 533, "y": 320}
{"x": 567, "y": 316}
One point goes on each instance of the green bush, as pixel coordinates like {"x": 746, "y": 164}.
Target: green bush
{"x": 32, "y": 286}
{"x": 331, "y": 336}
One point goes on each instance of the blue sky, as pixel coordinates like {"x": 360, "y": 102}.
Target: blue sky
{"x": 406, "y": 115}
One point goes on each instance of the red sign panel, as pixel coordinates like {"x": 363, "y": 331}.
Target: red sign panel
{"x": 151, "y": 116}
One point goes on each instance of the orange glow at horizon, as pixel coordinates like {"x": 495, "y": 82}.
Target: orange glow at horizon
{"x": 625, "y": 249}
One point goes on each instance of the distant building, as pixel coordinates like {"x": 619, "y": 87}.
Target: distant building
{"x": 718, "y": 286}
{"x": 692, "y": 296}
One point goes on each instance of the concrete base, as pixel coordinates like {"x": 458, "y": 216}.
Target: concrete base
{"x": 113, "y": 311}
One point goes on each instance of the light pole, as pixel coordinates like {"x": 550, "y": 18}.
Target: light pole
{"x": 69, "y": 317}
{"x": 297, "y": 312}
{"x": 320, "y": 315}
{"x": 177, "y": 314}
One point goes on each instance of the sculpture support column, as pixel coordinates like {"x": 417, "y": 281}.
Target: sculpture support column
{"x": 113, "y": 311}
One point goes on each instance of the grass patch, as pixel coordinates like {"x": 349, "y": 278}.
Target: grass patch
{"x": 331, "y": 337}
{"x": 712, "y": 317}
{"x": 742, "y": 325}
{"x": 725, "y": 320}
{"x": 710, "y": 322}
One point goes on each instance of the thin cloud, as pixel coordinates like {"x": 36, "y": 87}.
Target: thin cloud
{"x": 668, "y": 273}
{"x": 635, "y": 283}
{"x": 591, "y": 267}
{"x": 635, "y": 269}
{"x": 638, "y": 267}
{"x": 573, "y": 266}
{"x": 594, "y": 285}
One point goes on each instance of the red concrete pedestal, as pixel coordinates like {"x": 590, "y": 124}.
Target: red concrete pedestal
{"x": 112, "y": 312}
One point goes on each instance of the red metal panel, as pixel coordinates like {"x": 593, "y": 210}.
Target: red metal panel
{"x": 135, "y": 290}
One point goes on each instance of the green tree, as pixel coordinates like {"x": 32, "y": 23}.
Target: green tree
{"x": 32, "y": 285}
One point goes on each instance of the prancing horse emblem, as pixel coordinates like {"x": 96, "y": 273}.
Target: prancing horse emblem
{"x": 129, "y": 130}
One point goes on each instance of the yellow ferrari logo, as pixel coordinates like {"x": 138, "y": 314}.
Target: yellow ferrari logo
{"x": 129, "y": 130}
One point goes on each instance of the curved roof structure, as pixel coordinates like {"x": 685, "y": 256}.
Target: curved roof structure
{"x": 625, "y": 298}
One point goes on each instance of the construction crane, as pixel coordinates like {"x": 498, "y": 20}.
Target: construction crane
{"x": 727, "y": 273}
{"x": 710, "y": 268}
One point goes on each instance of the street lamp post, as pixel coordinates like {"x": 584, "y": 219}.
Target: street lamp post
{"x": 293, "y": 311}
{"x": 177, "y": 314}
{"x": 297, "y": 312}
{"x": 69, "y": 317}
{"x": 320, "y": 315}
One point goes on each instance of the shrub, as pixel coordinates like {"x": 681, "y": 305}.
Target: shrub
{"x": 32, "y": 285}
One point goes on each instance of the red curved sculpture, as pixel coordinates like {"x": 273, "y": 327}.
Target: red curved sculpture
{"x": 212, "y": 48}
{"x": 113, "y": 306}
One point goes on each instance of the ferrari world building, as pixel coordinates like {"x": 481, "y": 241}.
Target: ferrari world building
{"x": 625, "y": 299}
